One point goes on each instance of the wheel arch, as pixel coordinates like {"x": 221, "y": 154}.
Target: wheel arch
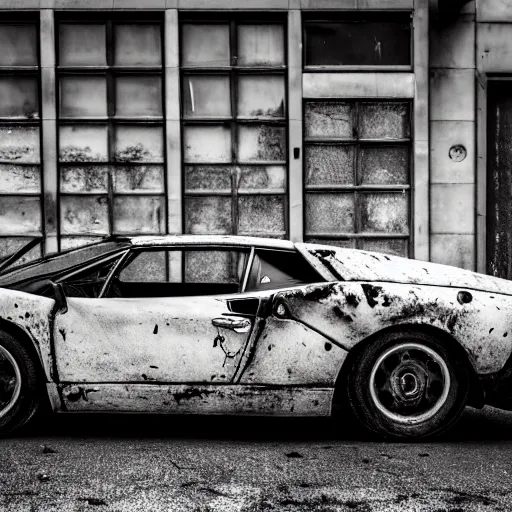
{"x": 476, "y": 397}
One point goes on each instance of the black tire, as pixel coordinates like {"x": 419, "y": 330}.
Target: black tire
{"x": 19, "y": 410}
{"x": 407, "y": 385}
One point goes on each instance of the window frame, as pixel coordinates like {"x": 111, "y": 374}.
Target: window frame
{"x": 111, "y": 122}
{"x": 234, "y": 71}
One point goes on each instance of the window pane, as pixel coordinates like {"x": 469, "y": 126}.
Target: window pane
{"x": 144, "y": 178}
{"x": 67, "y": 242}
{"x": 139, "y": 215}
{"x": 261, "y": 96}
{"x": 261, "y": 215}
{"x": 83, "y": 143}
{"x": 82, "y": 45}
{"x": 344, "y": 244}
{"x": 329, "y": 119}
{"x": 384, "y": 213}
{"x": 19, "y": 144}
{"x": 330, "y": 165}
{"x": 138, "y": 96}
{"x": 18, "y": 97}
{"x": 260, "y": 45}
{"x": 208, "y": 215}
{"x": 207, "y": 144}
{"x": 329, "y": 213}
{"x": 210, "y": 267}
{"x": 19, "y": 45}
{"x": 20, "y": 178}
{"x": 137, "y": 45}
{"x": 83, "y": 96}
{"x": 148, "y": 266}
{"x": 206, "y": 96}
{"x": 139, "y": 144}
{"x": 384, "y": 120}
{"x": 261, "y": 143}
{"x": 367, "y": 43}
{"x": 396, "y": 246}
{"x": 385, "y": 165}
{"x": 205, "y": 45}
{"x": 11, "y": 245}
{"x": 20, "y": 215}
{"x": 202, "y": 177}
{"x": 84, "y": 179}
{"x": 83, "y": 215}
{"x": 272, "y": 177}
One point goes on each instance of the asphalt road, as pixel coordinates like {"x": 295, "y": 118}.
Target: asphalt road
{"x": 118, "y": 463}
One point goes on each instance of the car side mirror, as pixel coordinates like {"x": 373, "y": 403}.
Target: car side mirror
{"x": 61, "y": 303}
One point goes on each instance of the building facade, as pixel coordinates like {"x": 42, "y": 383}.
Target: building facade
{"x": 376, "y": 124}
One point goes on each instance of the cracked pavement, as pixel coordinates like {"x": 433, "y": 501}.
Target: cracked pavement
{"x": 131, "y": 462}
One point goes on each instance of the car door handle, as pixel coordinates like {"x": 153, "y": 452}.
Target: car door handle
{"x": 235, "y": 324}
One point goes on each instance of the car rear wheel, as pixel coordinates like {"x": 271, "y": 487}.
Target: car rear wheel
{"x": 407, "y": 385}
{"x": 18, "y": 384}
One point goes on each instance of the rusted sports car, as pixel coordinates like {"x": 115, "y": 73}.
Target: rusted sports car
{"x": 234, "y": 325}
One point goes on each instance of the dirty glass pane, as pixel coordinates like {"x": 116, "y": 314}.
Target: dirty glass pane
{"x": 83, "y": 96}
{"x": 138, "y": 96}
{"x": 18, "y": 97}
{"x": 384, "y": 165}
{"x": 139, "y": 214}
{"x": 139, "y": 178}
{"x": 328, "y": 119}
{"x": 82, "y": 45}
{"x": 205, "y": 45}
{"x": 83, "y": 215}
{"x": 83, "y": 143}
{"x": 363, "y": 43}
{"x": 207, "y": 144}
{"x": 261, "y": 215}
{"x": 208, "y": 215}
{"x": 396, "y": 246}
{"x": 137, "y": 45}
{"x": 20, "y": 215}
{"x": 68, "y": 242}
{"x": 384, "y": 213}
{"x": 261, "y": 143}
{"x": 19, "y": 45}
{"x": 330, "y": 213}
{"x": 9, "y": 245}
{"x": 19, "y": 144}
{"x": 210, "y": 267}
{"x": 261, "y": 96}
{"x": 203, "y": 177}
{"x": 384, "y": 120}
{"x": 329, "y": 165}
{"x": 206, "y": 96}
{"x": 88, "y": 179}
{"x": 139, "y": 144}
{"x": 271, "y": 177}
{"x": 20, "y": 178}
{"x": 261, "y": 45}
{"x": 344, "y": 244}
{"x": 148, "y": 266}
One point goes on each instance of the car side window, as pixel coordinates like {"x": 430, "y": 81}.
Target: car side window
{"x": 88, "y": 282}
{"x": 273, "y": 269}
{"x": 178, "y": 272}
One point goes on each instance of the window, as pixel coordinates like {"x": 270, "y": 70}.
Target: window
{"x": 233, "y": 90}
{"x": 151, "y": 273}
{"x": 357, "y": 174}
{"x": 20, "y": 154}
{"x": 358, "y": 39}
{"x": 111, "y": 133}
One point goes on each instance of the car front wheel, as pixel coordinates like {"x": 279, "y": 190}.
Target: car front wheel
{"x": 407, "y": 385}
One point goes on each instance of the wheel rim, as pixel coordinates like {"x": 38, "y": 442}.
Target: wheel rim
{"x": 409, "y": 383}
{"x": 10, "y": 381}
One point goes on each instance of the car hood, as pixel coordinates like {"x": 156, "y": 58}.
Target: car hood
{"x": 354, "y": 265}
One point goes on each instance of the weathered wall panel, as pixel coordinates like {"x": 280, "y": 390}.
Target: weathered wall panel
{"x": 494, "y": 10}
{"x": 452, "y": 208}
{"x": 494, "y": 48}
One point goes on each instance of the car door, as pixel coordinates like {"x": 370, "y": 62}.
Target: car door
{"x": 156, "y": 326}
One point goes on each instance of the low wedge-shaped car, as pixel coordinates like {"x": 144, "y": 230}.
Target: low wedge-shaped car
{"x": 236, "y": 325}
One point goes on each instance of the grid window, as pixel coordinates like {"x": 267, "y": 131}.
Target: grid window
{"x": 357, "y": 174}
{"x": 371, "y": 39}
{"x": 233, "y": 94}
{"x": 111, "y": 130}
{"x": 20, "y": 150}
